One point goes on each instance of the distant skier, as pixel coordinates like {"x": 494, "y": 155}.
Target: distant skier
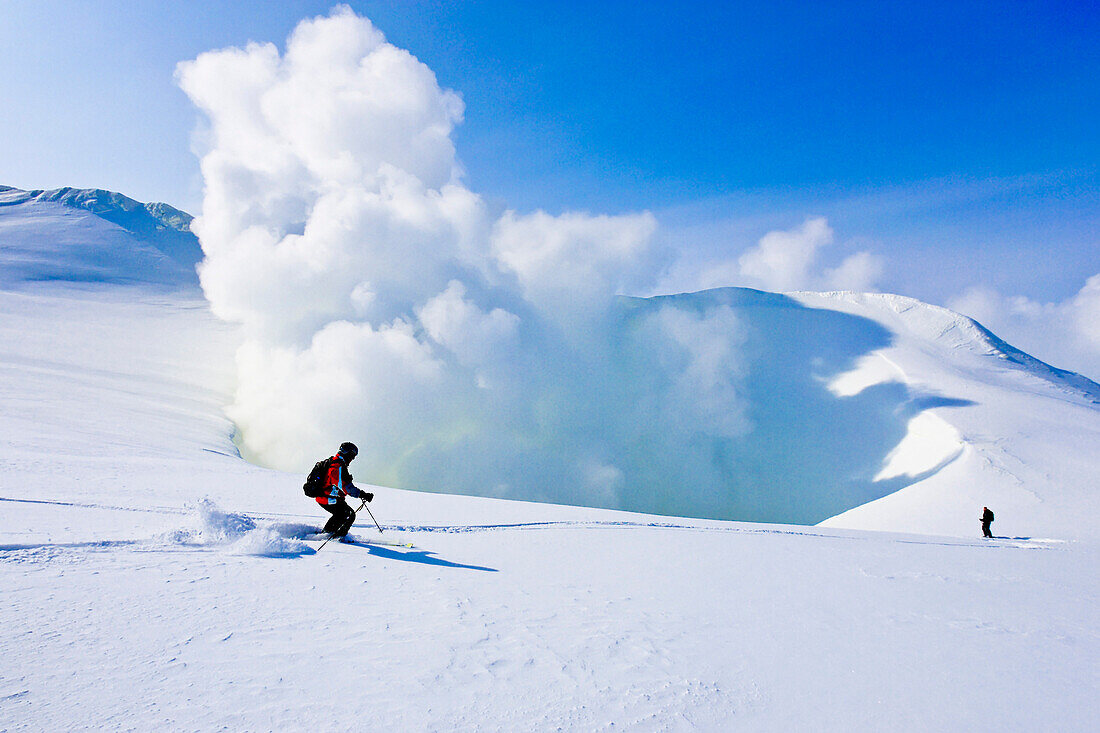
{"x": 335, "y": 483}
{"x": 987, "y": 519}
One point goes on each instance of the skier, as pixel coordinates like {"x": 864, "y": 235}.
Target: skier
{"x": 987, "y": 519}
{"x": 337, "y": 485}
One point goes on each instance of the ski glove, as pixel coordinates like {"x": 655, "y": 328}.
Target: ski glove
{"x": 369, "y": 497}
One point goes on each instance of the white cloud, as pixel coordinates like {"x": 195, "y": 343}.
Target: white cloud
{"x": 781, "y": 261}
{"x": 1086, "y": 314}
{"x": 381, "y": 303}
{"x": 859, "y": 272}
{"x": 787, "y": 260}
{"x": 329, "y": 168}
{"x": 473, "y": 335}
{"x": 290, "y": 402}
{"x": 572, "y": 265}
{"x": 701, "y": 353}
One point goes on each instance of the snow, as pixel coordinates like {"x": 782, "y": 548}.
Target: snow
{"x": 152, "y": 579}
{"x": 998, "y": 428}
{"x": 91, "y": 235}
{"x": 930, "y": 443}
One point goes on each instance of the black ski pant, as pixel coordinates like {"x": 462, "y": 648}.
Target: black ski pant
{"x": 985, "y": 529}
{"x": 343, "y": 516}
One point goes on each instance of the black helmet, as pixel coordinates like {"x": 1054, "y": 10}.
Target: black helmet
{"x": 348, "y": 451}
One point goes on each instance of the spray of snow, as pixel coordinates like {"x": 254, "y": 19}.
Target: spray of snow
{"x": 207, "y": 525}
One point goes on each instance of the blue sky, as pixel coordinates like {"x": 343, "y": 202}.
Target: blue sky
{"x": 951, "y": 133}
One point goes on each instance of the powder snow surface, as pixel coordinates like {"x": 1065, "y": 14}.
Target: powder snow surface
{"x": 150, "y": 579}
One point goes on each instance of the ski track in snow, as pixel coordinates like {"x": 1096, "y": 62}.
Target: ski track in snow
{"x": 303, "y": 531}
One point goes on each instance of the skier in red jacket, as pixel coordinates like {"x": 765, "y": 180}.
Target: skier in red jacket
{"x": 338, "y": 484}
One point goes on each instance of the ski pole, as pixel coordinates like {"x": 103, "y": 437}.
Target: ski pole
{"x": 364, "y": 506}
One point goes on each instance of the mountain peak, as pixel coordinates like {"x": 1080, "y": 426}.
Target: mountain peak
{"x": 94, "y": 235}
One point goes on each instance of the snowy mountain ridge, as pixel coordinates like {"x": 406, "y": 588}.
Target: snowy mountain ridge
{"x": 109, "y": 205}
{"x": 955, "y": 330}
{"x": 93, "y": 235}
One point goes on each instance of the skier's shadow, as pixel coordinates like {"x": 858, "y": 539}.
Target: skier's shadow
{"x": 423, "y": 557}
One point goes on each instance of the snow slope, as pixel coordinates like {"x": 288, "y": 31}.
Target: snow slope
{"x": 151, "y": 579}
{"x": 1002, "y": 429}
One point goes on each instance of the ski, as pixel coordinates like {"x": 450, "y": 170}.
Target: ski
{"x": 383, "y": 543}
{"x": 322, "y": 537}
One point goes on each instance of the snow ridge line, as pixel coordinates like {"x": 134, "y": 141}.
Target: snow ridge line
{"x": 1005, "y": 542}
{"x": 93, "y": 545}
{"x": 182, "y": 511}
{"x": 596, "y": 524}
{"x": 84, "y": 505}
